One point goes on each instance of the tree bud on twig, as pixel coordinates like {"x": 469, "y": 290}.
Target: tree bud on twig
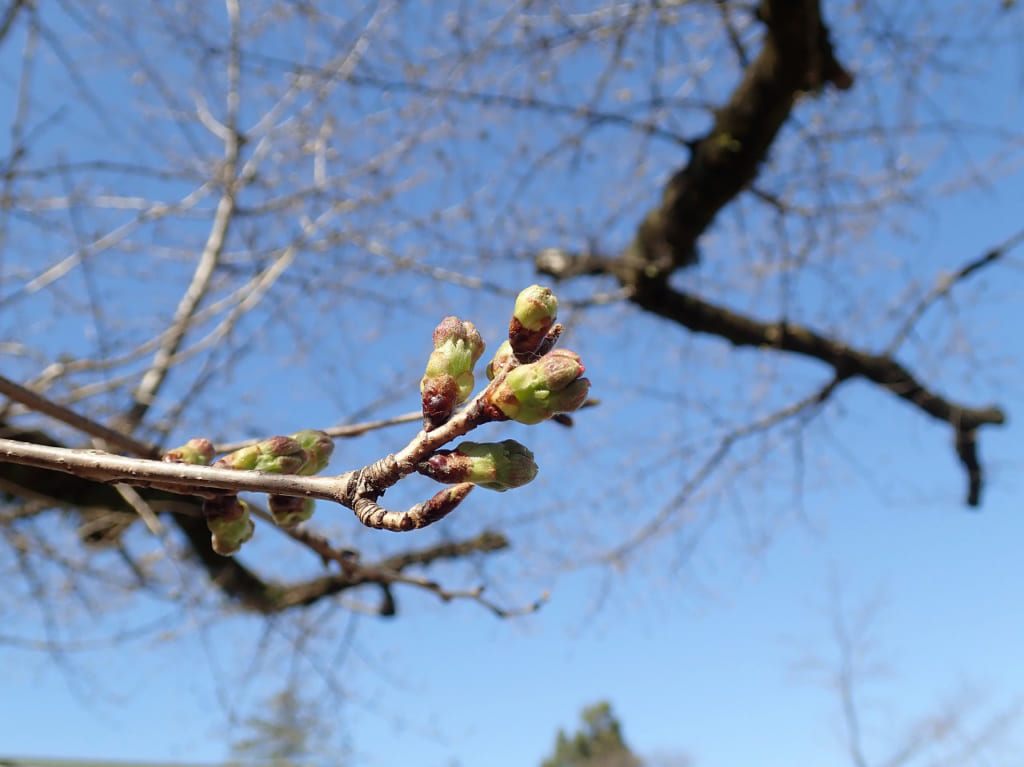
{"x": 196, "y": 451}
{"x": 448, "y": 380}
{"x": 228, "y": 520}
{"x": 502, "y": 361}
{"x": 288, "y": 511}
{"x": 533, "y": 316}
{"x": 277, "y": 455}
{"x": 318, "y": 446}
{"x": 439, "y": 396}
{"x": 496, "y": 466}
{"x": 534, "y": 392}
{"x": 444, "y": 501}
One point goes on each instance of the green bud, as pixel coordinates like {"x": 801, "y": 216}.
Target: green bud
{"x": 228, "y": 520}
{"x": 277, "y": 455}
{"x": 536, "y": 391}
{"x": 533, "y": 316}
{"x": 280, "y": 455}
{"x": 196, "y": 451}
{"x": 457, "y": 347}
{"x": 495, "y": 466}
{"x": 451, "y": 330}
{"x": 244, "y": 458}
{"x": 503, "y": 360}
{"x": 289, "y": 511}
{"x": 318, "y": 447}
{"x": 448, "y": 379}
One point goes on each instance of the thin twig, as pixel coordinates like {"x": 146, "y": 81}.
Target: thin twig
{"x": 351, "y": 430}
{"x": 99, "y": 466}
{"x": 153, "y": 379}
{"x": 946, "y": 284}
{"x": 41, "y": 404}
{"x": 357, "y": 490}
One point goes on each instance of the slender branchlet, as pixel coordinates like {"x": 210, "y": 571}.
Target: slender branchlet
{"x": 529, "y": 381}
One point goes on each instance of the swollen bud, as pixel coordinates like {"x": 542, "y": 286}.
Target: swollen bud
{"x": 496, "y": 466}
{"x": 277, "y": 455}
{"x": 196, "y": 451}
{"x": 318, "y": 447}
{"x": 448, "y": 379}
{"x": 533, "y": 316}
{"x": 439, "y": 396}
{"x": 289, "y": 511}
{"x": 229, "y": 523}
{"x": 536, "y": 391}
{"x": 502, "y": 361}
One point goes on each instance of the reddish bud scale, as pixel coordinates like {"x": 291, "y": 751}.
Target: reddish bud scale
{"x": 533, "y": 316}
{"x": 523, "y": 340}
{"x": 288, "y": 511}
{"x": 229, "y": 523}
{"x": 444, "y": 502}
{"x": 445, "y": 466}
{"x": 224, "y": 508}
{"x": 550, "y": 340}
{"x": 440, "y": 395}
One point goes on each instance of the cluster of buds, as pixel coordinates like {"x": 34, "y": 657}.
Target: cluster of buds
{"x": 497, "y": 466}
{"x": 448, "y": 380}
{"x": 306, "y": 452}
{"x": 530, "y": 382}
{"x": 539, "y": 390}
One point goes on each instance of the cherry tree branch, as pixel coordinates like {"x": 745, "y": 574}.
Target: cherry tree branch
{"x": 41, "y": 404}
{"x": 357, "y": 490}
{"x": 796, "y": 57}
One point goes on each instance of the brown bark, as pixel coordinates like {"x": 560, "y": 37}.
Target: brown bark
{"x": 796, "y": 58}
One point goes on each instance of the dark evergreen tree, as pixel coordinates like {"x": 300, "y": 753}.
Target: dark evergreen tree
{"x": 598, "y": 743}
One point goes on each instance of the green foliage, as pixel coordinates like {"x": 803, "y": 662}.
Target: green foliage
{"x": 291, "y": 733}
{"x": 599, "y": 743}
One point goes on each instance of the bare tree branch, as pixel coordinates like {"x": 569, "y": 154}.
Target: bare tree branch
{"x": 47, "y": 406}
{"x": 796, "y": 57}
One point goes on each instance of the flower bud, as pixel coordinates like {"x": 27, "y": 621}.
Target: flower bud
{"x": 277, "y": 455}
{"x": 439, "y": 396}
{"x": 533, "y": 392}
{"x": 533, "y": 316}
{"x": 457, "y": 347}
{"x": 503, "y": 360}
{"x": 196, "y": 451}
{"x": 318, "y": 448}
{"x": 495, "y": 466}
{"x": 228, "y": 520}
{"x": 289, "y": 510}
{"x": 441, "y": 504}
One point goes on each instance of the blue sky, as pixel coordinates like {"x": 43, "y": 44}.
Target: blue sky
{"x": 701, "y": 652}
